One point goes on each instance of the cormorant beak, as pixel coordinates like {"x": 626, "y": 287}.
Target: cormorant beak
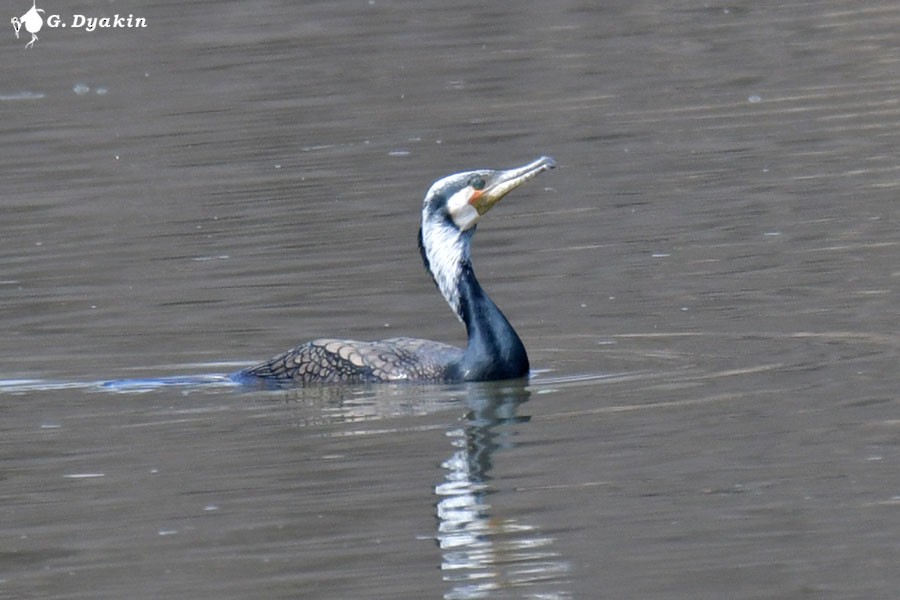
{"x": 499, "y": 183}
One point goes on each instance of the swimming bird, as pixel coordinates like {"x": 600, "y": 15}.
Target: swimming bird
{"x": 451, "y": 210}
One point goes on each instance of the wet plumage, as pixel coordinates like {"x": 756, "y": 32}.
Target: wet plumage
{"x": 351, "y": 361}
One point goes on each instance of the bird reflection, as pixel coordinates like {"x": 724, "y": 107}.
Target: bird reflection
{"x": 485, "y": 555}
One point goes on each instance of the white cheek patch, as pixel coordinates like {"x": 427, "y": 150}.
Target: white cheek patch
{"x": 459, "y": 200}
{"x": 463, "y": 214}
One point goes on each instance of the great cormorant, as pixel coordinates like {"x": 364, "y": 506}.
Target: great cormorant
{"x": 450, "y": 211}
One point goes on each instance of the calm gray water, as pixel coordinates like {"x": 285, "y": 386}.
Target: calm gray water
{"x": 707, "y": 287}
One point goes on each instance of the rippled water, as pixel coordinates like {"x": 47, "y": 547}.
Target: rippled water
{"x": 707, "y": 288}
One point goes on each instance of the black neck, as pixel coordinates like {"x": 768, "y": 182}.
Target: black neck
{"x": 494, "y": 350}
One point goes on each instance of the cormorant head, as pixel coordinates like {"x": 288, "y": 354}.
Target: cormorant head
{"x": 462, "y": 199}
{"x": 452, "y": 208}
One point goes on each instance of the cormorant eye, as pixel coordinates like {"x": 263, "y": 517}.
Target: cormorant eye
{"x": 477, "y": 183}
